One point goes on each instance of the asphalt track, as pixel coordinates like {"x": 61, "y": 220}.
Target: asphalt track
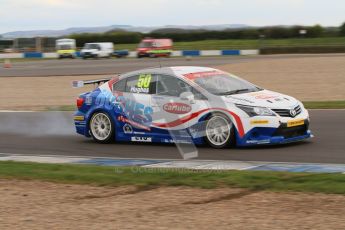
{"x": 55, "y": 67}
{"x": 52, "y": 133}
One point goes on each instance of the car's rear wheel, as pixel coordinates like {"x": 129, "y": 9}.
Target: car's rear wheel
{"x": 219, "y": 131}
{"x": 101, "y": 128}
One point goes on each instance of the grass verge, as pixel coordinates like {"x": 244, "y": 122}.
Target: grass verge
{"x": 324, "y": 104}
{"x": 118, "y": 176}
{"x": 249, "y": 43}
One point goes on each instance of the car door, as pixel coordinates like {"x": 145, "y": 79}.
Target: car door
{"x": 172, "y": 111}
{"x": 134, "y": 114}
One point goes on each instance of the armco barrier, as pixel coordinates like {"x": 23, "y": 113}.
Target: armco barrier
{"x": 33, "y": 55}
{"x": 230, "y": 52}
{"x": 176, "y": 53}
{"x": 11, "y": 55}
{"x": 210, "y": 52}
{"x": 191, "y": 53}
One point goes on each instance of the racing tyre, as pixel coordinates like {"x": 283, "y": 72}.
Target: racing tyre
{"x": 101, "y": 128}
{"x": 220, "y": 131}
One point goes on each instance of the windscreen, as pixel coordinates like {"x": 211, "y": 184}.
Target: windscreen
{"x": 225, "y": 84}
{"x": 91, "y": 46}
{"x": 146, "y": 44}
{"x": 64, "y": 47}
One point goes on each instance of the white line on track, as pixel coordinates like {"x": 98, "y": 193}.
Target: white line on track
{"x": 168, "y": 159}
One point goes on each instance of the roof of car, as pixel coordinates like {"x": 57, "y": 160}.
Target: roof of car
{"x": 190, "y": 69}
{"x": 175, "y": 70}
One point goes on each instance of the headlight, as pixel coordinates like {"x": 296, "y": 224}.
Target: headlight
{"x": 256, "y": 111}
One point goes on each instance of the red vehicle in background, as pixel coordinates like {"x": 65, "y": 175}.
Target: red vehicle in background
{"x": 150, "y": 47}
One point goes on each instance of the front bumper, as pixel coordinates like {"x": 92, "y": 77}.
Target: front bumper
{"x": 280, "y": 135}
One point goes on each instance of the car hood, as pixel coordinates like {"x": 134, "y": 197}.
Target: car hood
{"x": 264, "y": 98}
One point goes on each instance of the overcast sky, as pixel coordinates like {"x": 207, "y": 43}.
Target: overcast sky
{"x": 61, "y": 14}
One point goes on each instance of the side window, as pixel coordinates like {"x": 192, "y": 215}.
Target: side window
{"x": 143, "y": 83}
{"x": 120, "y": 86}
{"x": 171, "y": 86}
{"x": 198, "y": 95}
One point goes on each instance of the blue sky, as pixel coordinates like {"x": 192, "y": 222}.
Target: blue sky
{"x": 61, "y": 14}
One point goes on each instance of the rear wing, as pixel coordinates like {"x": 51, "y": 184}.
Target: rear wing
{"x": 79, "y": 84}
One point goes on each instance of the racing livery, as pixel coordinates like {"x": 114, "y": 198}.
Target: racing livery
{"x": 187, "y": 104}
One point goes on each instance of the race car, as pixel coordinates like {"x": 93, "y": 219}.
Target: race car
{"x": 188, "y": 104}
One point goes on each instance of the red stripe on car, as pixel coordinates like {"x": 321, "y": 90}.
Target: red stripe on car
{"x": 196, "y": 114}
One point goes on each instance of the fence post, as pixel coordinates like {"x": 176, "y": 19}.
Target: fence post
{"x": 38, "y": 44}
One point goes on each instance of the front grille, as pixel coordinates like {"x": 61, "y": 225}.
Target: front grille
{"x": 286, "y": 112}
{"x": 289, "y": 132}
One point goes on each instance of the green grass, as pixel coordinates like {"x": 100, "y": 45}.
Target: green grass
{"x": 118, "y": 176}
{"x": 324, "y": 104}
{"x": 248, "y": 43}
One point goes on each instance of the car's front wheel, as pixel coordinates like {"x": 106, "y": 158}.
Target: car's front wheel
{"x": 220, "y": 131}
{"x": 101, "y": 128}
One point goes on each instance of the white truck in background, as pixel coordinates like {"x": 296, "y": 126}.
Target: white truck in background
{"x": 97, "y": 50}
{"x": 65, "y": 48}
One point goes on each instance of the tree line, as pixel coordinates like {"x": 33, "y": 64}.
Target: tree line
{"x": 181, "y": 35}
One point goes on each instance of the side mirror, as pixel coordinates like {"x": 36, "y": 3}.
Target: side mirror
{"x": 187, "y": 96}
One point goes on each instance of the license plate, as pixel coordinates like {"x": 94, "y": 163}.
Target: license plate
{"x": 295, "y": 123}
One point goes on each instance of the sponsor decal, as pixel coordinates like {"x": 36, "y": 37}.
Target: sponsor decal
{"x": 142, "y": 139}
{"x": 177, "y": 108}
{"x": 143, "y": 84}
{"x": 239, "y": 99}
{"x": 193, "y": 76}
{"x": 144, "y": 80}
{"x": 79, "y": 118}
{"x": 131, "y": 122}
{"x": 258, "y": 122}
{"x": 139, "y": 133}
{"x": 295, "y": 123}
{"x": 258, "y": 141}
{"x": 176, "y": 141}
{"x": 88, "y": 100}
{"x": 127, "y": 128}
{"x": 139, "y": 90}
{"x": 265, "y": 96}
{"x": 134, "y": 111}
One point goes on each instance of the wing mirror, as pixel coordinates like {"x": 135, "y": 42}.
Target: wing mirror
{"x": 187, "y": 96}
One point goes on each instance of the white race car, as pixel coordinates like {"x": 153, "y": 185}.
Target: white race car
{"x": 187, "y": 104}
